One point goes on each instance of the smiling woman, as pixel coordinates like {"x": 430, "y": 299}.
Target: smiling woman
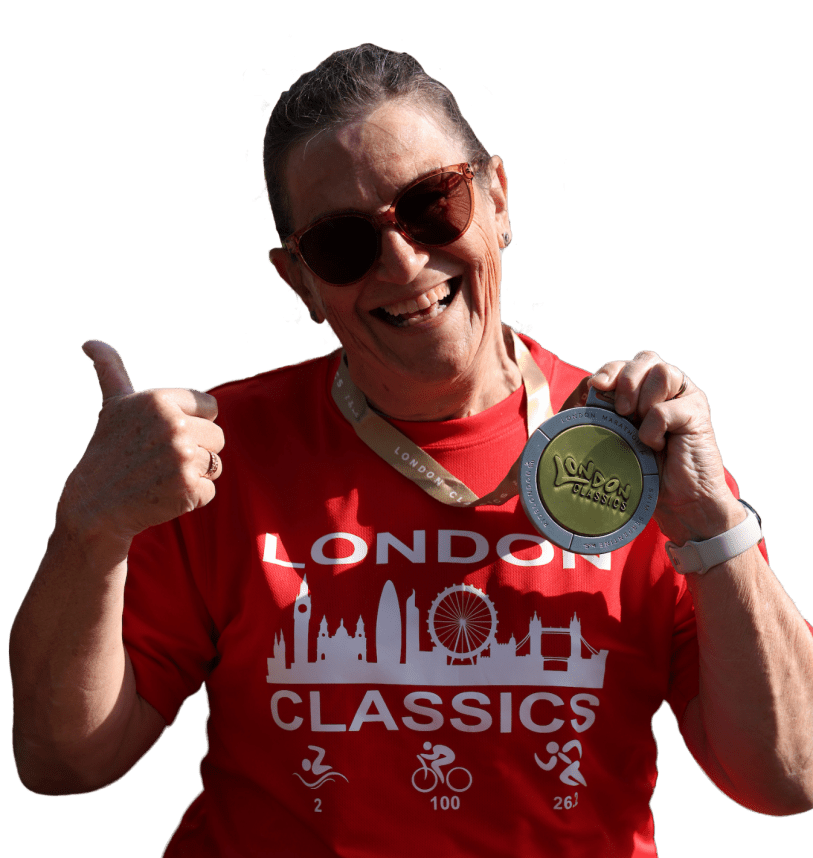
{"x": 537, "y": 671}
{"x": 437, "y": 364}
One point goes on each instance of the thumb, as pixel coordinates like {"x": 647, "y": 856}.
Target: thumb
{"x": 113, "y": 378}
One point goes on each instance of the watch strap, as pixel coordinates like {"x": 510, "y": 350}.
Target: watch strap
{"x": 699, "y": 556}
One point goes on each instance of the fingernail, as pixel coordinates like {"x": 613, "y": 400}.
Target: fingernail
{"x": 622, "y": 404}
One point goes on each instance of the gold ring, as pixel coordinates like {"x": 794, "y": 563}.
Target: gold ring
{"x": 682, "y": 389}
{"x": 214, "y": 464}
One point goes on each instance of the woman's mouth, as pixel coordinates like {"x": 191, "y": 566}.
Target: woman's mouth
{"x": 413, "y": 311}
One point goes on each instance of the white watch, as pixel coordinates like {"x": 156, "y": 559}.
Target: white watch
{"x": 700, "y": 556}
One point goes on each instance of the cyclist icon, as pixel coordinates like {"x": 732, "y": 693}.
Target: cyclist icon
{"x": 426, "y": 778}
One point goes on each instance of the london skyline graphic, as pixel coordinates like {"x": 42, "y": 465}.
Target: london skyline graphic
{"x": 462, "y": 623}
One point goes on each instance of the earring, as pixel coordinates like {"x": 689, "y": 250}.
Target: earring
{"x": 506, "y": 237}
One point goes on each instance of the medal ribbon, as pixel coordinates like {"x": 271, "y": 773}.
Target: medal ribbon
{"x": 415, "y": 463}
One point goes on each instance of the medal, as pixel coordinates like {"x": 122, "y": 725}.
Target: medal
{"x": 587, "y": 482}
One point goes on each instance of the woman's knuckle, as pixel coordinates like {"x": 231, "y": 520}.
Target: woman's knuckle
{"x": 660, "y": 415}
{"x": 660, "y": 373}
{"x": 182, "y": 452}
{"x": 186, "y": 484}
{"x": 151, "y": 401}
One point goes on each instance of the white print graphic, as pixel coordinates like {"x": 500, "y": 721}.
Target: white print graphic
{"x": 537, "y": 711}
{"x": 324, "y": 774}
{"x": 462, "y": 621}
{"x": 571, "y": 775}
{"x": 426, "y": 778}
{"x": 462, "y": 624}
{"x": 446, "y": 545}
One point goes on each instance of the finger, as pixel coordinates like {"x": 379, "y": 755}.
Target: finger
{"x": 192, "y": 402}
{"x": 675, "y": 417}
{"x": 630, "y": 379}
{"x": 605, "y": 378}
{"x": 183, "y": 407}
{"x": 208, "y": 435}
{"x": 662, "y": 383}
{"x": 110, "y": 370}
{"x": 686, "y": 386}
{"x": 206, "y": 491}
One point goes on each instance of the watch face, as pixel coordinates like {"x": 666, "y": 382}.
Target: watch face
{"x": 587, "y": 482}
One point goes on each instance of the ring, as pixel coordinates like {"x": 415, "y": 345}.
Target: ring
{"x": 214, "y": 464}
{"x": 682, "y": 389}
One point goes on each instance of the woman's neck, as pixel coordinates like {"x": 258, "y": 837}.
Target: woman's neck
{"x": 491, "y": 378}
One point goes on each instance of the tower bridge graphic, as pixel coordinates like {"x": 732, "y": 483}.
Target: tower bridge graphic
{"x": 462, "y": 623}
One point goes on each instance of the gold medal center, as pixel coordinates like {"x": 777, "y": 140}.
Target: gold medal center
{"x": 590, "y": 480}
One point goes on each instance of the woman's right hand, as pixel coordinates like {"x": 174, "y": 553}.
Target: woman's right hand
{"x": 148, "y": 460}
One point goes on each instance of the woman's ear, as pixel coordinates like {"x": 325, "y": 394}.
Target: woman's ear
{"x": 289, "y": 269}
{"x": 279, "y": 258}
{"x": 284, "y": 263}
{"x": 499, "y": 196}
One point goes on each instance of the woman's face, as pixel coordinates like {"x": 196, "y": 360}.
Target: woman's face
{"x": 451, "y": 328}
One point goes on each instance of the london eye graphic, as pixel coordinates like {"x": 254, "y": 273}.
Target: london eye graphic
{"x": 462, "y": 622}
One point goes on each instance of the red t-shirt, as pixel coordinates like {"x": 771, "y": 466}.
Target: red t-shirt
{"x": 388, "y": 675}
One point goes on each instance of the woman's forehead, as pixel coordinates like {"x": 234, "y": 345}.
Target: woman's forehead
{"x": 362, "y": 165}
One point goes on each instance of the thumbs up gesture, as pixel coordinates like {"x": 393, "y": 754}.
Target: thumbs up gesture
{"x": 152, "y": 457}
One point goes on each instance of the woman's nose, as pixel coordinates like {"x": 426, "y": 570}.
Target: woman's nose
{"x": 401, "y": 260}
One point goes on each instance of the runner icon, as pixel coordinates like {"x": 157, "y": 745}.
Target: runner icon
{"x": 571, "y": 775}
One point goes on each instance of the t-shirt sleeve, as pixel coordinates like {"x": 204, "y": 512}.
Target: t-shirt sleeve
{"x": 167, "y": 629}
{"x": 684, "y": 668}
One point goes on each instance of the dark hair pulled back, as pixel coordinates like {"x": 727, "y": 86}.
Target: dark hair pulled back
{"x": 346, "y": 86}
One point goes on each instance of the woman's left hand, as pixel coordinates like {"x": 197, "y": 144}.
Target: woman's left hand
{"x": 672, "y": 415}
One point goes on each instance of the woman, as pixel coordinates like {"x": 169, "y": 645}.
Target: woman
{"x": 352, "y": 621}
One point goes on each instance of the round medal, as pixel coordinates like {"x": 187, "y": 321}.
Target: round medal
{"x": 587, "y": 482}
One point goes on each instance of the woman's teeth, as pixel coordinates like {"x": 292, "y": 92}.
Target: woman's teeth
{"x": 422, "y": 302}
{"x": 415, "y": 310}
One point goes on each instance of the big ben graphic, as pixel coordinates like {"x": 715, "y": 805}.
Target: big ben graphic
{"x": 302, "y": 618}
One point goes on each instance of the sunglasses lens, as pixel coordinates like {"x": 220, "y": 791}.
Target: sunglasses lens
{"x": 437, "y": 210}
{"x": 340, "y": 250}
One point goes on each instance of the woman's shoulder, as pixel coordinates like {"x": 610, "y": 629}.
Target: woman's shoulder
{"x": 284, "y": 386}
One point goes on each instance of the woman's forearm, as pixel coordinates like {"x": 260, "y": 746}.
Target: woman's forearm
{"x": 74, "y": 691}
{"x": 751, "y": 726}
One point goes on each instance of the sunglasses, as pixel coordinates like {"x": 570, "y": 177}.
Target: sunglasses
{"x": 432, "y": 211}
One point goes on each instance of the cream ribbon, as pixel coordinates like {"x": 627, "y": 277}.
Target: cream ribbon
{"x": 415, "y": 463}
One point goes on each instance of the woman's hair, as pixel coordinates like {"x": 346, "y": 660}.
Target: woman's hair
{"x": 346, "y": 86}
